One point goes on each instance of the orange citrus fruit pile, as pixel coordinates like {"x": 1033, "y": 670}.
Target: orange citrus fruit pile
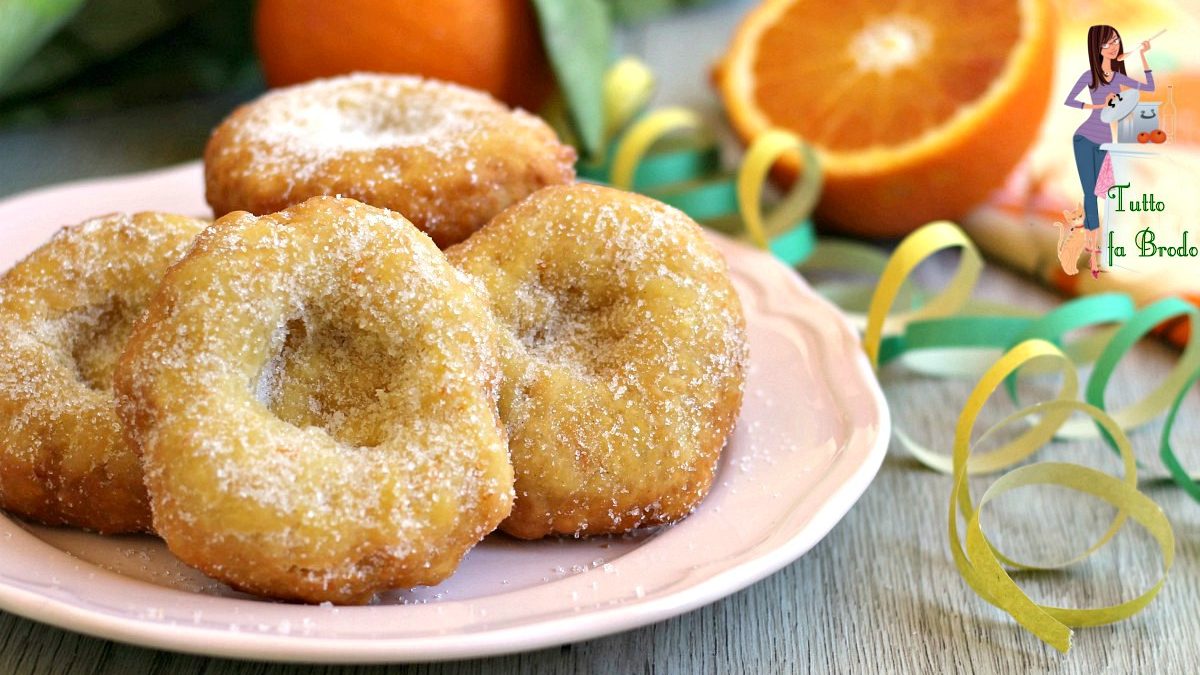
{"x": 493, "y": 45}
{"x": 918, "y": 109}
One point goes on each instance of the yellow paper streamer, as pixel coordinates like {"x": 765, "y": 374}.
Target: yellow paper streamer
{"x": 642, "y": 135}
{"x": 762, "y": 154}
{"x": 915, "y": 248}
{"x": 628, "y": 86}
{"x": 981, "y": 565}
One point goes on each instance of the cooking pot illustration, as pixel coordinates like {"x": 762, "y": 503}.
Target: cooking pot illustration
{"x": 1132, "y": 115}
{"x": 1144, "y": 118}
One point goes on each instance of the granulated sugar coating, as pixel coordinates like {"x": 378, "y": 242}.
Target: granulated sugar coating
{"x": 446, "y": 157}
{"x": 315, "y": 395}
{"x": 625, "y": 357}
{"x": 65, "y": 312}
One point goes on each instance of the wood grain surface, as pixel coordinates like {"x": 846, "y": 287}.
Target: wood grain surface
{"x": 879, "y": 594}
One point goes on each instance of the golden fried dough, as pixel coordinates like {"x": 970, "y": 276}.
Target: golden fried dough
{"x": 314, "y": 393}
{"x": 446, "y": 157}
{"x": 65, "y": 312}
{"x": 625, "y": 357}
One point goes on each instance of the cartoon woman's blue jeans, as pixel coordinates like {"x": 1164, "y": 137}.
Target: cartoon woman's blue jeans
{"x": 1088, "y": 159}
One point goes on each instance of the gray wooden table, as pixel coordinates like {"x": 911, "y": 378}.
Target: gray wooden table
{"x": 880, "y": 593}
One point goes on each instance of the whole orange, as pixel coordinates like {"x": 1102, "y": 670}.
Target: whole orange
{"x": 493, "y": 45}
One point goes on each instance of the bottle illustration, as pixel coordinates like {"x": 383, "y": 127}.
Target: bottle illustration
{"x": 1167, "y": 115}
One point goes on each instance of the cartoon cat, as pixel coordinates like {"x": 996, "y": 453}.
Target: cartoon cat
{"x": 1070, "y": 239}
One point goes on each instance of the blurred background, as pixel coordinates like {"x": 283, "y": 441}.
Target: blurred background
{"x": 100, "y": 87}
{"x": 93, "y": 87}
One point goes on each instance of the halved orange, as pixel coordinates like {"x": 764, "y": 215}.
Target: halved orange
{"x": 918, "y": 108}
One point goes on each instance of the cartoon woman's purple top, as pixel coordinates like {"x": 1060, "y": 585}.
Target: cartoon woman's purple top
{"x": 1093, "y": 128}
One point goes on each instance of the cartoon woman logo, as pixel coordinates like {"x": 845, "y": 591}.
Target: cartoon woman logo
{"x": 1105, "y": 79}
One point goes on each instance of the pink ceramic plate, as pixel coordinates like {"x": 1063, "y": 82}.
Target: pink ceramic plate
{"x": 812, "y": 434}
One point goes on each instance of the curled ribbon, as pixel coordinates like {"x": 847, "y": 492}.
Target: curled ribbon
{"x": 1025, "y": 340}
{"x": 982, "y": 566}
{"x": 644, "y": 134}
{"x": 778, "y": 231}
{"x": 1178, "y": 473}
{"x": 670, "y": 154}
{"x": 914, "y": 249}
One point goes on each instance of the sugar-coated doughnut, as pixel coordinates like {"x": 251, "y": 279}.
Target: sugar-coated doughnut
{"x": 314, "y": 394}
{"x": 446, "y": 157}
{"x": 65, "y": 312}
{"x": 625, "y": 357}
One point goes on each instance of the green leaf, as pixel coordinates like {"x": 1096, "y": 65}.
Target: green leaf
{"x": 161, "y": 50}
{"x": 25, "y": 25}
{"x": 100, "y": 31}
{"x": 578, "y": 37}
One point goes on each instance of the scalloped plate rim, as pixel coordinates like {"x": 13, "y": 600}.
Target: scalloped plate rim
{"x": 69, "y": 201}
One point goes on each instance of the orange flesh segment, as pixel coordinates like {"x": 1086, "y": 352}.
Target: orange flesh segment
{"x": 852, "y": 75}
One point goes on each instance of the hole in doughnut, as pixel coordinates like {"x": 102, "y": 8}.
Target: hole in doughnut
{"x": 97, "y": 334}
{"x": 565, "y": 322}
{"x": 351, "y": 123}
{"x": 331, "y": 374}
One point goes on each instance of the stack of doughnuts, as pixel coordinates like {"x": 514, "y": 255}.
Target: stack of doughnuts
{"x": 309, "y": 399}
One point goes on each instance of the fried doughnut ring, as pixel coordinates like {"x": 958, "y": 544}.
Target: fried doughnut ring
{"x": 65, "y": 312}
{"x": 625, "y": 357}
{"x": 447, "y": 157}
{"x": 314, "y": 396}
